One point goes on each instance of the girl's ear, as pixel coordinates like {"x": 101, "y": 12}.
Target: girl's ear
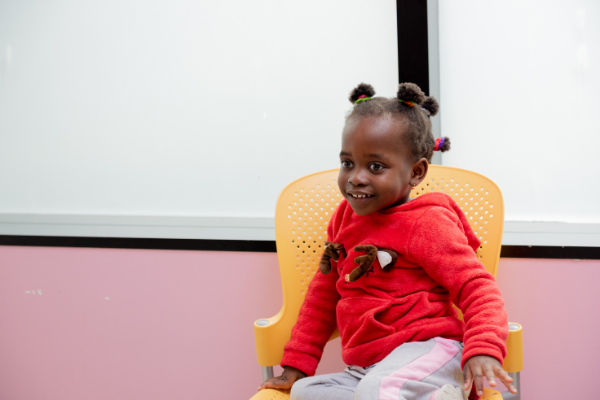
{"x": 419, "y": 170}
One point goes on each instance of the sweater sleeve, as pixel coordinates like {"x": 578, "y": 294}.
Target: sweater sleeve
{"x": 440, "y": 246}
{"x": 316, "y": 321}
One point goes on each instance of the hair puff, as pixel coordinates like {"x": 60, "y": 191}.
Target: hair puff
{"x": 446, "y": 146}
{"x": 410, "y": 92}
{"x": 363, "y": 88}
{"x": 431, "y": 105}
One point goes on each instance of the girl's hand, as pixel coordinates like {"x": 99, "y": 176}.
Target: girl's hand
{"x": 479, "y": 366}
{"x": 285, "y": 381}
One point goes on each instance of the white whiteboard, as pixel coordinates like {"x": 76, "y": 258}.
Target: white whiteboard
{"x": 520, "y": 94}
{"x": 183, "y": 108}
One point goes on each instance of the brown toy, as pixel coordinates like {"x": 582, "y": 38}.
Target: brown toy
{"x": 387, "y": 259}
{"x": 332, "y": 251}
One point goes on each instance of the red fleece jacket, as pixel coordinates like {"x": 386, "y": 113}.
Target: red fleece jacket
{"x": 383, "y": 309}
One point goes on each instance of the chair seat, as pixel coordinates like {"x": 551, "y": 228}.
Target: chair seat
{"x": 271, "y": 394}
{"x": 490, "y": 394}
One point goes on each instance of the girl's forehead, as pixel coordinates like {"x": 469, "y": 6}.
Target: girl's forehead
{"x": 375, "y": 131}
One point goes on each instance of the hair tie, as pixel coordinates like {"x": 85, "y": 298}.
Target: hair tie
{"x": 362, "y": 97}
{"x": 408, "y": 103}
{"x": 439, "y": 142}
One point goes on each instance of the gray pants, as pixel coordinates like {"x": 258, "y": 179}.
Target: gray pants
{"x": 413, "y": 371}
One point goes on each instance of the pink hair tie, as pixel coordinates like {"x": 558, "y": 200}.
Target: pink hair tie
{"x": 362, "y": 97}
{"x": 439, "y": 142}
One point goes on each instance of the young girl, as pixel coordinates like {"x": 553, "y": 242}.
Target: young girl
{"x": 391, "y": 270}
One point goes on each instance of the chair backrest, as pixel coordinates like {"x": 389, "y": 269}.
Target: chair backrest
{"x": 305, "y": 207}
{"x": 480, "y": 199}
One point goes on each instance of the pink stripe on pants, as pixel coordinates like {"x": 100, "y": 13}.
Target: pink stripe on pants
{"x": 443, "y": 351}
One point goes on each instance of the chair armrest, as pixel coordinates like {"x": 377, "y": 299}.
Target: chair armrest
{"x": 271, "y": 335}
{"x": 513, "y": 362}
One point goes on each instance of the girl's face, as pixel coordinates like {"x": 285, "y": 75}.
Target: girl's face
{"x": 377, "y": 170}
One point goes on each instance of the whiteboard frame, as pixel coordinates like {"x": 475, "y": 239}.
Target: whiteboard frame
{"x": 516, "y": 233}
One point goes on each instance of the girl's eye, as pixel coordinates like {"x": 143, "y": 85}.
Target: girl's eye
{"x": 375, "y": 167}
{"x": 346, "y": 164}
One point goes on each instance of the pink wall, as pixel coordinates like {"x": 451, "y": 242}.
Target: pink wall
{"x": 558, "y": 303}
{"x": 178, "y": 324}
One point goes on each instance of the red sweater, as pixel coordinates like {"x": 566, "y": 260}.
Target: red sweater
{"x": 436, "y": 267}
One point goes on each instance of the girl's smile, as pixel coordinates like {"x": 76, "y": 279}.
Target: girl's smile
{"x": 359, "y": 198}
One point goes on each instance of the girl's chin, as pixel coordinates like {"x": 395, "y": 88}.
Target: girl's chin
{"x": 363, "y": 209}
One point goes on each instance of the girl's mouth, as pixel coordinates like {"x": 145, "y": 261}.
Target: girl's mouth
{"x": 360, "y": 196}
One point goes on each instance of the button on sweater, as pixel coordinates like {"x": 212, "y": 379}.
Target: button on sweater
{"x": 411, "y": 301}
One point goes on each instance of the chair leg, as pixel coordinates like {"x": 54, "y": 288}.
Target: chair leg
{"x": 517, "y": 383}
{"x": 267, "y": 373}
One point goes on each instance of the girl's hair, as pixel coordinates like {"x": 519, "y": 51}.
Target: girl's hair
{"x": 410, "y": 102}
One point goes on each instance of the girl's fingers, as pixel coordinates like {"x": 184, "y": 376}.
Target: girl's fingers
{"x": 270, "y": 385}
{"x": 489, "y": 374}
{"x": 478, "y": 379}
{"x": 275, "y": 383}
{"x": 468, "y": 377}
{"x": 506, "y": 379}
{"x": 502, "y": 374}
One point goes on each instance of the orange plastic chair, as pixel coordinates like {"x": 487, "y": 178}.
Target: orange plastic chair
{"x": 302, "y": 214}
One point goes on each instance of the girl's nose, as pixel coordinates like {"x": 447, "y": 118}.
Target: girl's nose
{"x": 359, "y": 178}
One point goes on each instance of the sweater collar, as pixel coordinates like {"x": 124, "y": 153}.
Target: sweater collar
{"x": 427, "y": 199}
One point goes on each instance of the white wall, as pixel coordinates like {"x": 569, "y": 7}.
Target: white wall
{"x": 185, "y": 119}
{"x": 183, "y": 108}
{"x": 520, "y": 86}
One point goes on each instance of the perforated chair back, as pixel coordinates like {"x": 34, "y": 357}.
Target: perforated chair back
{"x": 303, "y": 212}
